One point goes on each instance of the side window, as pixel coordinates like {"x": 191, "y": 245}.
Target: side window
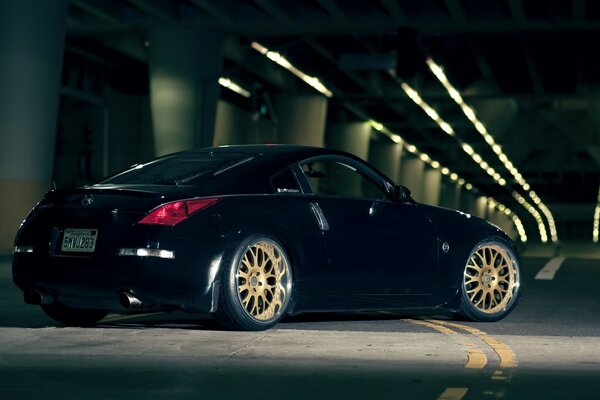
{"x": 334, "y": 178}
{"x": 285, "y": 182}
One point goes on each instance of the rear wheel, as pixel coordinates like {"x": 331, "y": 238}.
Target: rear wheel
{"x": 73, "y": 316}
{"x": 491, "y": 282}
{"x": 257, "y": 288}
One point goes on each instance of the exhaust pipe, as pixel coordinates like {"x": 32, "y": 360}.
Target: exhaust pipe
{"x": 38, "y": 298}
{"x": 128, "y": 300}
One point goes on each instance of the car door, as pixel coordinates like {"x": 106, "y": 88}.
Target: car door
{"x": 376, "y": 245}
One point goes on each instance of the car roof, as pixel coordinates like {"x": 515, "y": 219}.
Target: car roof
{"x": 267, "y": 150}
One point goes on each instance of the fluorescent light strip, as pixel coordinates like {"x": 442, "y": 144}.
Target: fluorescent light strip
{"x": 470, "y": 114}
{"x": 378, "y": 126}
{"x": 467, "y": 148}
{"x": 283, "y": 62}
{"x": 596, "y": 229}
{"x": 538, "y": 218}
{"x": 516, "y": 220}
{"x": 414, "y": 96}
{"x": 231, "y": 85}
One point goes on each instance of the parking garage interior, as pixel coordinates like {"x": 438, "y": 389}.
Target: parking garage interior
{"x": 489, "y": 107}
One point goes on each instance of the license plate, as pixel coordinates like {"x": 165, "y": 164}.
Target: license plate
{"x": 79, "y": 240}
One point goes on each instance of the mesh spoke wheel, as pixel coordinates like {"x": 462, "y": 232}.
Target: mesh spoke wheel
{"x": 491, "y": 279}
{"x": 263, "y": 280}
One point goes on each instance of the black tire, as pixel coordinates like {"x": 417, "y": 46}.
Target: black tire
{"x": 491, "y": 282}
{"x": 256, "y": 285}
{"x": 73, "y": 316}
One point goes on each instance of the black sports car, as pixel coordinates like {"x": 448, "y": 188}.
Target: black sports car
{"x": 253, "y": 233}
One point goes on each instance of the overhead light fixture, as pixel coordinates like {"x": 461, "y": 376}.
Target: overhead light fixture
{"x": 231, "y": 85}
{"x": 467, "y": 148}
{"x": 532, "y": 210}
{"x": 469, "y": 112}
{"x": 416, "y": 97}
{"x": 411, "y": 148}
{"x": 285, "y": 63}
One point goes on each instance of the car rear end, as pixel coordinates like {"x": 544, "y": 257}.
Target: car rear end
{"x": 88, "y": 248}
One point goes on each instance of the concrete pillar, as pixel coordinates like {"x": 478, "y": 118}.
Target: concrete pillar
{"x": 432, "y": 182}
{"x": 301, "y": 119}
{"x": 386, "y": 156}
{"x": 491, "y": 212}
{"x": 234, "y": 125}
{"x": 412, "y": 175}
{"x": 506, "y": 224}
{"x": 184, "y": 66}
{"x": 467, "y": 201}
{"x": 353, "y": 137}
{"x": 450, "y": 195}
{"x": 31, "y": 51}
{"x": 479, "y": 207}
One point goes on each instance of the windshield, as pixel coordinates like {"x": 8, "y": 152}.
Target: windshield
{"x": 182, "y": 169}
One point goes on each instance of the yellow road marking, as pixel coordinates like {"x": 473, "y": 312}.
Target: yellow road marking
{"x": 476, "y": 358}
{"x": 505, "y": 353}
{"x": 432, "y": 325}
{"x": 453, "y": 394}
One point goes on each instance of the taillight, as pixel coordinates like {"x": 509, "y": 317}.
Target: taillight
{"x": 171, "y": 214}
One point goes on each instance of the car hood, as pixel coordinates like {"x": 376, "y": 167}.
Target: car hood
{"x": 450, "y": 223}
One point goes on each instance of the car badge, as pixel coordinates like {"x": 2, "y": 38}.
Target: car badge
{"x": 87, "y": 200}
{"x": 445, "y": 247}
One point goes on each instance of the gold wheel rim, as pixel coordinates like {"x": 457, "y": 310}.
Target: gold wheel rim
{"x": 263, "y": 279}
{"x": 491, "y": 278}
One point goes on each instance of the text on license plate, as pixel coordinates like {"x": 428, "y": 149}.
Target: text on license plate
{"x": 79, "y": 240}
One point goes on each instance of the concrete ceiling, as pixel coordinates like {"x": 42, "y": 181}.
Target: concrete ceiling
{"x": 528, "y": 68}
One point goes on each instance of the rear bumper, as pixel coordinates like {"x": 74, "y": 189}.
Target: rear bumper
{"x": 96, "y": 282}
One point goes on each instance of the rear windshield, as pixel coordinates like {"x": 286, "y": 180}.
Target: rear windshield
{"x": 182, "y": 169}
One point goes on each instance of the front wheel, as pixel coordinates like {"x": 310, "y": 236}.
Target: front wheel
{"x": 73, "y": 316}
{"x": 257, "y": 288}
{"x": 491, "y": 282}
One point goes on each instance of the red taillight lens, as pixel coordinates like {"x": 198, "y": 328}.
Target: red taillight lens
{"x": 171, "y": 214}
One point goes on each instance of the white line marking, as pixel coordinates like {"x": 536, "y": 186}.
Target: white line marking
{"x": 547, "y": 273}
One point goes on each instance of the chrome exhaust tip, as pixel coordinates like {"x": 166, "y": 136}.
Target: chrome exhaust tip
{"x": 38, "y": 298}
{"x": 127, "y": 300}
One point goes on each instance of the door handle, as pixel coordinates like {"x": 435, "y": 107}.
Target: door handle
{"x": 319, "y": 216}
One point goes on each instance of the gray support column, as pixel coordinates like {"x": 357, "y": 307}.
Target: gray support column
{"x": 31, "y": 51}
{"x": 467, "y": 201}
{"x": 301, "y": 119}
{"x": 236, "y": 126}
{"x": 479, "y": 207}
{"x": 450, "y": 194}
{"x": 386, "y": 156}
{"x": 431, "y": 191}
{"x": 184, "y": 65}
{"x": 412, "y": 175}
{"x": 491, "y": 213}
{"x": 353, "y": 137}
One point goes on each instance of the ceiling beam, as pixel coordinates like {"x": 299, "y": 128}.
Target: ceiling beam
{"x": 394, "y": 8}
{"x": 100, "y": 10}
{"x": 578, "y": 10}
{"x": 333, "y": 9}
{"x": 163, "y": 13}
{"x": 536, "y": 82}
{"x": 214, "y": 10}
{"x": 274, "y": 10}
{"x": 456, "y": 11}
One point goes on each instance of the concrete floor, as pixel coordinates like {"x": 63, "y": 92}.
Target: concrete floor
{"x": 548, "y": 348}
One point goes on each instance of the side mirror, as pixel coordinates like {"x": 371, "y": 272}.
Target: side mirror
{"x": 401, "y": 193}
